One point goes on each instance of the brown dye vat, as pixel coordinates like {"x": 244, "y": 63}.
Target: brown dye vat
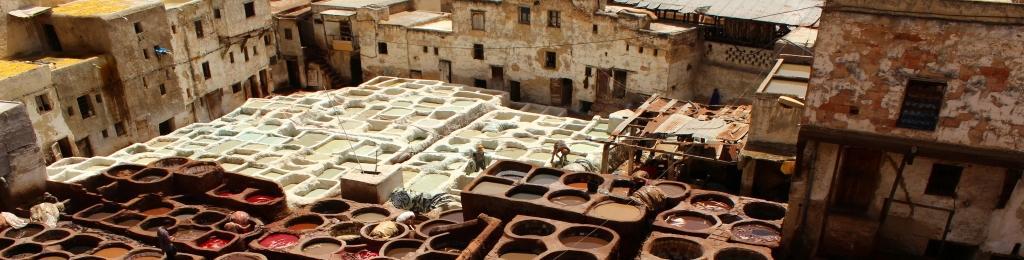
{"x": 491, "y": 188}
{"x": 449, "y": 243}
{"x": 544, "y": 179}
{"x": 616, "y": 211}
{"x": 79, "y": 244}
{"x": 156, "y": 211}
{"x": 578, "y": 185}
{"x": 169, "y": 162}
{"x": 188, "y": 233}
{"x": 347, "y": 231}
{"x": 51, "y": 235}
{"x": 126, "y": 219}
{"x": 22, "y": 251}
{"x": 585, "y": 237}
{"x": 110, "y": 252}
{"x": 511, "y": 174}
{"x": 691, "y": 221}
{"x": 200, "y": 168}
{"x": 764, "y": 211}
{"x": 329, "y": 207}
{"x": 620, "y": 188}
{"x": 227, "y": 191}
{"x": 184, "y": 212}
{"x": 453, "y": 215}
{"x": 208, "y": 218}
{"x": 569, "y": 197}
{"x": 150, "y": 175}
{"x": 569, "y": 254}
{"x": 712, "y": 202}
{"x": 52, "y": 256}
{"x": 242, "y": 256}
{"x": 370, "y": 214}
{"x": 532, "y": 227}
{"x": 400, "y": 248}
{"x": 676, "y": 248}
{"x": 580, "y": 180}
{"x": 729, "y": 218}
{"x": 27, "y": 231}
{"x": 145, "y": 254}
{"x": 302, "y": 226}
{"x": 521, "y": 249}
{"x": 124, "y": 170}
{"x": 154, "y": 223}
{"x": 757, "y": 233}
{"x": 526, "y": 192}
{"x": 735, "y": 253}
{"x": 322, "y": 246}
{"x": 672, "y": 189}
{"x": 425, "y": 228}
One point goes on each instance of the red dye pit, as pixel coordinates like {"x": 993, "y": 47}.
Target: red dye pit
{"x": 260, "y": 198}
{"x": 213, "y": 243}
{"x": 279, "y": 240}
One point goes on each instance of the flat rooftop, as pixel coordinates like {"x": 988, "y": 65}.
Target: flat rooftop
{"x": 413, "y": 18}
{"x": 354, "y": 4}
{"x": 13, "y": 68}
{"x": 85, "y": 8}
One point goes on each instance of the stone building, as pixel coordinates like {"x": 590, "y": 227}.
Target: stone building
{"x": 103, "y": 74}
{"x": 22, "y": 172}
{"x": 911, "y": 142}
{"x": 585, "y": 56}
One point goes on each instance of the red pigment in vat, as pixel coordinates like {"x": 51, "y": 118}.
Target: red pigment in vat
{"x": 213, "y": 242}
{"x": 259, "y": 198}
{"x": 279, "y": 240}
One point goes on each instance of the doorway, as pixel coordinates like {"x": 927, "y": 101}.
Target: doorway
{"x": 293, "y": 73}
{"x": 166, "y": 127}
{"x": 64, "y": 148}
{"x": 51, "y": 37}
{"x": 357, "y": 69}
{"x": 84, "y": 147}
{"x": 857, "y": 182}
{"x": 446, "y": 70}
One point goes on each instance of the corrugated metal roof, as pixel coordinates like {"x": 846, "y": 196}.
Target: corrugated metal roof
{"x": 791, "y": 12}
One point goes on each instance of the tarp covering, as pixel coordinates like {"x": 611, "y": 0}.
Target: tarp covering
{"x": 789, "y": 12}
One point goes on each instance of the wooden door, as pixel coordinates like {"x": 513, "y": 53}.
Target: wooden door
{"x": 556, "y": 92}
{"x": 446, "y": 70}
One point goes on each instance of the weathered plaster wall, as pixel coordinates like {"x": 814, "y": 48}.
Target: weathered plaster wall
{"x": 771, "y": 123}
{"x": 90, "y": 78}
{"x": 24, "y": 88}
{"x": 520, "y": 50}
{"x": 1007, "y": 225}
{"x": 863, "y": 61}
{"x": 21, "y": 163}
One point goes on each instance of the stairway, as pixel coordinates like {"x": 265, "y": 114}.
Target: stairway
{"x": 316, "y": 56}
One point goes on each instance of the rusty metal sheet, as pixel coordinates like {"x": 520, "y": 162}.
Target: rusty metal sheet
{"x": 789, "y": 12}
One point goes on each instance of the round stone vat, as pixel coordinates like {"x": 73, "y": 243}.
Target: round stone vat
{"x": 400, "y": 248}
{"x": 322, "y": 246}
{"x": 423, "y": 229}
{"x": 22, "y": 251}
{"x": 691, "y": 221}
{"x": 112, "y": 250}
{"x": 183, "y": 213}
{"x": 329, "y": 207}
{"x": 569, "y": 197}
{"x": 207, "y": 218}
{"x": 569, "y": 254}
{"x": 526, "y": 192}
{"x": 581, "y": 180}
{"x": 368, "y": 228}
{"x": 736, "y": 253}
{"x": 450, "y": 242}
{"x": 126, "y": 219}
{"x": 673, "y": 189}
{"x": 278, "y": 240}
{"x": 583, "y": 237}
{"x": 521, "y": 249}
{"x": 79, "y": 244}
{"x": 453, "y": 215}
{"x": 153, "y": 223}
{"x": 52, "y": 256}
{"x": 675, "y": 248}
{"x": 764, "y": 211}
{"x": 29, "y": 230}
{"x": 370, "y": 214}
{"x": 150, "y": 175}
{"x": 304, "y": 223}
{"x": 169, "y": 162}
{"x": 348, "y": 231}
{"x": 189, "y": 232}
{"x": 756, "y": 232}
{"x": 123, "y": 171}
{"x": 241, "y": 256}
{"x": 712, "y": 202}
{"x": 50, "y": 236}
{"x": 437, "y": 256}
{"x": 531, "y": 227}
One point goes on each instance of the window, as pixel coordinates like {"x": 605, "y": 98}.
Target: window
{"x": 346, "y": 31}
{"x": 416, "y": 74}
{"x": 594, "y": 30}
{"x": 287, "y": 34}
{"x": 99, "y": 98}
{"x": 921, "y": 104}
{"x": 163, "y": 90}
{"x": 250, "y": 9}
{"x": 235, "y": 88}
{"x": 477, "y": 19}
{"x": 216, "y": 13}
{"x": 513, "y": 89}
{"x": 199, "y": 28}
{"x": 231, "y": 56}
{"x": 382, "y": 47}
{"x": 524, "y": 15}
{"x": 85, "y": 107}
{"x": 145, "y": 53}
{"x": 43, "y": 103}
{"x": 435, "y": 50}
{"x": 478, "y": 51}
{"x": 550, "y": 60}
{"x": 138, "y": 27}
{"x": 206, "y": 70}
{"x": 425, "y": 49}
{"x": 119, "y": 129}
{"x": 479, "y": 83}
{"x": 245, "y": 53}
{"x": 641, "y": 50}
{"x": 619, "y": 78}
{"x": 266, "y": 40}
{"x": 554, "y": 19}
{"x": 943, "y": 180}
{"x": 71, "y": 111}
{"x": 655, "y": 52}
{"x": 84, "y": 147}
{"x": 174, "y": 29}
{"x": 166, "y": 127}
{"x": 254, "y": 52}
{"x": 588, "y": 72}
{"x": 104, "y": 133}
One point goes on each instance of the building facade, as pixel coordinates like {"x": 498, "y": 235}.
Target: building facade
{"x": 105, "y": 74}
{"x": 911, "y": 141}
